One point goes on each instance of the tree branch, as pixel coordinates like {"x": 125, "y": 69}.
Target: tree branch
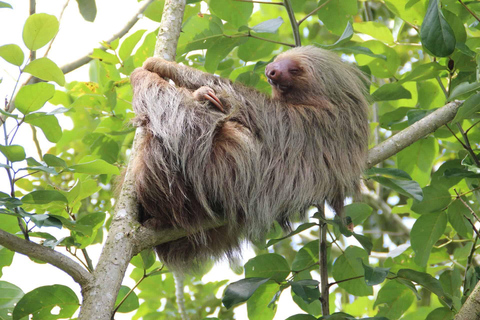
{"x": 86, "y": 59}
{"x": 415, "y": 132}
{"x": 45, "y": 254}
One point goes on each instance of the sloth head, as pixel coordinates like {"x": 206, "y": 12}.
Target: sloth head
{"x": 311, "y": 76}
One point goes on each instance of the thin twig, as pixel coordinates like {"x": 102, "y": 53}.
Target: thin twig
{"x": 273, "y": 41}
{"x": 471, "y": 12}
{"x": 470, "y": 258}
{"x": 89, "y": 261}
{"x": 59, "y": 20}
{"x": 471, "y": 127}
{"x": 458, "y": 139}
{"x": 345, "y": 280}
{"x": 86, "y": 59}
{"x": 313, "y": 12}
{"x": 467, "y": 206}
{"x": 323, "y": 261}
{"x": 37, "y": 143}
{"x": 293, "y": 23}
{"x": 467, "y": 145}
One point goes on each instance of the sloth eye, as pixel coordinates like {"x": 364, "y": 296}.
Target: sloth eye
{"x": 294, "y": 71}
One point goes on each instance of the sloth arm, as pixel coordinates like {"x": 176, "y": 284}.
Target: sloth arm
{"x": 183, "y": 76}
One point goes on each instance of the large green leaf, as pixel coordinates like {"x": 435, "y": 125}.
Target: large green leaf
{"x": 95, "y": 167}
{"x": 129, "y": 43}
{"x": 425, "y": 233}
{"x": 468, "y": 108}
{"x": 236, "y": 12}
{"x": 43, "y": 197}
{"x": 417, "y": 159}
{"x": 45, "y": 69}
{"x": 219, "y": 50}
{"x": 269, "y": 26}
{"x": 130, "y": 303}
{"x": 437, "y": 35}
{"x": 262, "y": 304}
{"x": 394, "y": 299}
{"x": 427, "y": 281}
{"x": 435, "y": 198}
{"x": 337, "y": 13}
{"x": 39, "y": 29}
{"x": 88, "y": 9}
{"x": 374, "y": 276}
{"x": 32, "y": 97}
{"x": 408, "y": 188}
{"x": 307, "y": 256}
{"x": 269, "y": 265}
{"x": 12, "y": 53}
{"x": 10, "y": 294}
{"x": 48, "y": 123}
{"x": 349, "y": 265}
{"x": 457, "y": 216}
{"x": 13, "y": 152}
{"x": 240, "y": 291}
{"x": 391, "y": 91}
{"x": 41, "y": 301}
{"x": 374, "y": 29}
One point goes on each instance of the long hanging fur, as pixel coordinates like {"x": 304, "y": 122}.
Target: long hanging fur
{"x": 266, "y": 159}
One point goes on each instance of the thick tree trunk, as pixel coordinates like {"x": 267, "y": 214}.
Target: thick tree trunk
{"x": 100, "y": 295}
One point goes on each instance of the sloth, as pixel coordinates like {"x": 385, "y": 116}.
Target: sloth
{"x": 220, "y": 152}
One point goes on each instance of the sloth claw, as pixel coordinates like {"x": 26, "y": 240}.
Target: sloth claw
{"x": 207, "y": 93}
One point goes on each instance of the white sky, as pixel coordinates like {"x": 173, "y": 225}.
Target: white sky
{"x": 75, "y": 39}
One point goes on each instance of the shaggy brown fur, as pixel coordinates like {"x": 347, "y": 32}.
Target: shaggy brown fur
{"x": 263, "y": 160}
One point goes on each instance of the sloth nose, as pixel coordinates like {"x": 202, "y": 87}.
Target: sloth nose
{"x": 272, "y": 72}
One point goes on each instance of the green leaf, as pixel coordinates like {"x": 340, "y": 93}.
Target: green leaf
{"x": 423, "y": 72}
{"x": 39, "y": 29}
{"x": 301, "y": 317}
{"x": 418, "y": 158}
{"x": 307, "y": 256}
{"x": 130, "y": 42}
{"x": 262, "y": 305}
{"x": 88, "y": 9}
{"x": 255, "y": 49}
{"x": 374, "y": 276}
{"x": 391, "y": 91}
{"x": 410, "y": 189}
{"x": 12, "y": 53}
{"x": 359, "y": 212}
{"x": 41, "y": 301}
{"x": 269, "y": 265}
{"x": 437, "y": 35}
{"x": 13, "y": 152}
{"x": 235, "y": 12}
{"x": 441, "y": 314}
{"x": 468, "y": 108}
{"x": 95, "y": 167}
{"x": 394, "y": 299}
{"x": 349, "y": 265}
{"x": 5, "y": 5}
{"x": 435, "y": 198}
{"x": 130, "y": 303}
{"x": 345, "y": 37}
{"x": 32, "y": 97}
{"x": 337, "y": 13}
{"x": 364, "y": 241}
{"x": 154, "y": 11}
{"x": 6, "y": 258}
{"x": 463, "y": 88}
{"x": 389, "y": 173}
{"x": 10, "y": 294}
{"x": 240, "y": 291}
{"x": 48, "y": 123}
{"x": 425, "y": 233}
{"x": 220, "y": 49}
{"x": 148, "y": 258}
{"x": 451, "y": 281}
{"x": 306, "y": 289}
{"x": 427, "y": 281}
{"x": 457, "y": 214}
{"x": 104, "y": 56}
{"x": 43, "y": 197}
{"x": 54, "y": 161}
{"x": 45, "y": 69}
{"x": 269, "y": 26}
{"x": 376, "y": 30}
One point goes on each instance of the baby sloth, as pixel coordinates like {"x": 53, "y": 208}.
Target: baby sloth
{"x": 249, "y": 159}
